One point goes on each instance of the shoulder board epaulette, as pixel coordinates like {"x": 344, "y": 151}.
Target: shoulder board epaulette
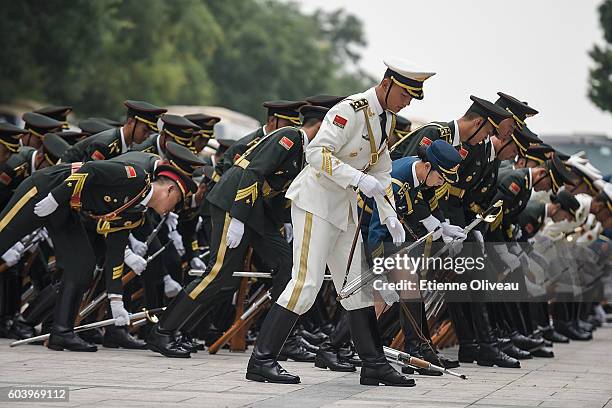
{"x": 359, "y": 104}
{"x": 443, "y": 130}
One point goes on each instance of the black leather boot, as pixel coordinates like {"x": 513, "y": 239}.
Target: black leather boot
{"x": 62, "y": 332}
{"x": 162, "y": 338}
{"x": 375, "y": 367}
{"x": 490, "y": 355}
{"x": 526, "y": 343}
{"x": 568, "y": 330}
{"x": 41, "y": 308}
{"x": 468, "y": 352}
{"x": 315, "y": 338}
{"x": 294, "y": 349}
{"x": 550, "y": 334}
{"x": 510, "y": 349}
{"x": 119, "y": 337}
{"x": 263, "y": 365}
{"x": 544, "y": 352}
{"x": 327, "y": 357}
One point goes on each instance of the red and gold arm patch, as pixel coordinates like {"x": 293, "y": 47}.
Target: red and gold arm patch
{"x": 286, "y": 142}
{"x": 97, "y": 155}
{"x": 514, "y": 188}
{"x": 340, "y": 121}
{"x": 130, "y": 171}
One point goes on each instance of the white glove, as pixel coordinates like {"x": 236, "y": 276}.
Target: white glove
{"x": 199, "y": 224}
{"x": 396, "y": 229}
{"x": 479, "y": 239}
{"x": 524, "y": 260}
{"x": 453, "y": 231}
{"x": 369, "y": 186}
{"x": 234, "y": 233}
{"x": 388, "y": 295}
{"x": 139, "y": 247}
{"x": 171, "y": 287}
{"x": 121, "y": 316}
{"x": 288, "y": 231}
{"x": 46, "y": 206}
{"x": 13, "y": 255}
{"x": 507, "y": 258}
{"x": 431, "y": 223}
{"x": 197, "y": 263}
{"x": 134, "y": 262}
{"x": 540, "y": 259}
{"x": 455, "y": 248}
{"x": 42, "y": 235}
{"x": 177, "y": 240}
{"x": 172, "y": 221}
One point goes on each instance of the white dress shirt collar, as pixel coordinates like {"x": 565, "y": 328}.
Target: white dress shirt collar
{"x": 414, "y": 175}
{"x": 124, "y": 147}
{"x": 457, "y": 136}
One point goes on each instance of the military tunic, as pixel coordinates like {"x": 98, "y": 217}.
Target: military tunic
{"x": 101, "y": 146}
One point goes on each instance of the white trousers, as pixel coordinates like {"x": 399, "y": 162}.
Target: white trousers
{"x": 317, "y": 243}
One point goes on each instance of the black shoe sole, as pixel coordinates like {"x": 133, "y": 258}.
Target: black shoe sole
{"x": 324, "y": 366}
{"x": 61, "y": 348}
{"x": 156, "y": 349}
{"x": 116, "y": 346}
{"x": 487, "y": 363}
{"x": 376, "y": 381}
{"x": 261, "y": 378}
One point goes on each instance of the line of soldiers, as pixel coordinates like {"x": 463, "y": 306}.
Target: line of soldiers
{"x": 109, "y": 219}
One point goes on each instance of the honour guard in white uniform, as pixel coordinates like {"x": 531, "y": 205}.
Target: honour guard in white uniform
{"x": 348, "y": 153}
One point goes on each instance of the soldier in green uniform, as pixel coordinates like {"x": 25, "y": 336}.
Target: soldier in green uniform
{"x": 470, "y": 129}
{"x": 59, "y": 113}
{"x": 280, "y": 114}
{"x": 18, "y": 167}
{"x": 37, "y": 126}
{"x": 142, "y": 120}
{"x": 115, "y": 196}
{"x": 92, "y": 126}
{"x": 247, "y": 207}
{"x": 155, "y": 275}
{"x": 26, "y": 161}
{"x": 10, "y": 136}
{"x": 562, "y": 207}
{"x": 207, "y": 129}
{"x": 176, "y": 129}
{"x": 402, "y": 128}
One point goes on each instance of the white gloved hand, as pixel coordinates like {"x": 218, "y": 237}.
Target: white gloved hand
{"x": 540, "y": 259}
{"x": 139, "y": 247}
{"x": 177, "y": 241}
{"x": 172, "y": 221}
{"x": 511, "y": 261}
{"x": 455, "y": 248}
{"x": 234, "y": 233}
{"x": 288, "y": 231}
{"x": 369, "y": 186}
{"x": 121, "y": 316}
{"x": 396, "y": 229}
{"x": 46, "y": 206}
{"x": 479, "y": 239}
{"x": 453, "y": 231}
{"x": 388, "y": 295}
{"x": 431, "y": 223}
{"x": 171, "y": 287}
{"x": 199, "y": 224}
{"x": 134, "y": 262}
{"x": 13, "y": 255}
{"x": 524, "y": 260}
{"x": 197, "y": 263}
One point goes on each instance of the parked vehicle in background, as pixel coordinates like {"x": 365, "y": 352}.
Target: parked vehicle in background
{"x": 598, "y": 148}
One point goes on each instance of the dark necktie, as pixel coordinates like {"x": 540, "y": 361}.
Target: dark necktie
{"x": 383, "y": 125}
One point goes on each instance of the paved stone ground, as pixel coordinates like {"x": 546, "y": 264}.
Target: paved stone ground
{"x": 580, "y": 376}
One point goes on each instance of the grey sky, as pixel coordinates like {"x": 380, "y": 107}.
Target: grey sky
{"x": 535, "y": 50}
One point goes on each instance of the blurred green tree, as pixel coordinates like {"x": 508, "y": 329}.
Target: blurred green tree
{"x": 600, "y": 80}
{"x": 95, "y": 54}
